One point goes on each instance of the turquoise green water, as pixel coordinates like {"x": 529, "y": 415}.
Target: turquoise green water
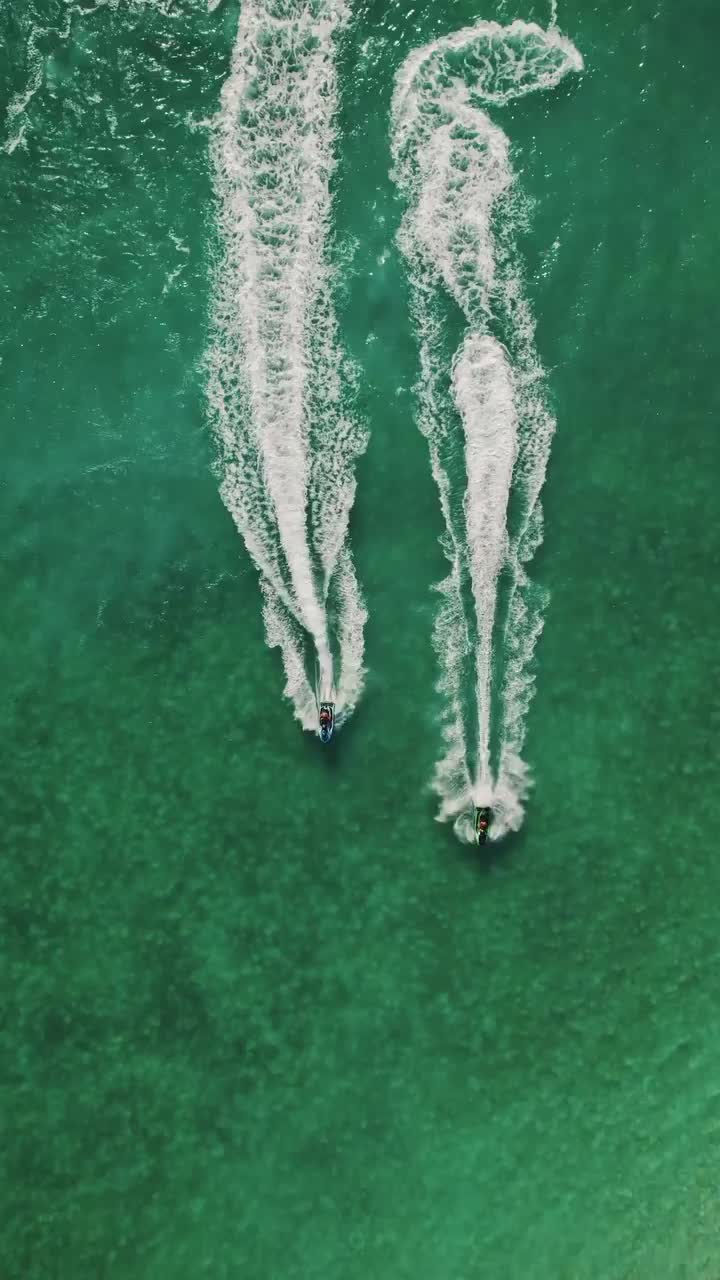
{"x": 261, "y": 1015}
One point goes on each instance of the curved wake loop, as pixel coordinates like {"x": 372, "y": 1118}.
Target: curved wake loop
{"x": 277, "y": 375}
{"x": 452, "y": 165}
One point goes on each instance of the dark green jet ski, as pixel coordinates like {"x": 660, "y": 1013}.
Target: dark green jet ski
{"x": 482, "y": 823}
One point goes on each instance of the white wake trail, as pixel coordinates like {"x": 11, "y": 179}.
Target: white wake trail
{"x": 485, "y": 398}
{"x": 276, "y": 371}
{"x": 452, "y": 164}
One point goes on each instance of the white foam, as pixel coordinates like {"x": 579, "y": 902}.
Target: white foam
{"x": 282, "y": 632}
{"x": 352, "y": 617}
{"x": 277, "y": 374}
{"x": 16, "y": 120}
{"x": 452, "y": 164}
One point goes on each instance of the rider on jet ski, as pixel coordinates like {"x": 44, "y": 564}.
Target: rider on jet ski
{"x": 482, "y": 823}
{"x": 327, "y": 721}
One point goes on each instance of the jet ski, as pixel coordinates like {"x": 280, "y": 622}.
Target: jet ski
{"x": 327, "y": 720}
{"x": 482, "y": 822}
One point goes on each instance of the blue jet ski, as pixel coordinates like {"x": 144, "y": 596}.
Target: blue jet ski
{"x": 327, "y": 720}
{"x": 482, "y": 823}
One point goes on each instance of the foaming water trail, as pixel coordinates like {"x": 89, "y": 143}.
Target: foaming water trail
{"x": 484, "y": 396}
{"x": 484, "y": 407}
{"x": 277, "y": 374}
{"x": 15, "y": 119}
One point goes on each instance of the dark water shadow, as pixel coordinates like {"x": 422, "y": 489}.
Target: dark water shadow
{"x": 488, "y": 859}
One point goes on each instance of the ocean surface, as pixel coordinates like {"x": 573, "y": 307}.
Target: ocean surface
{"x": 262, "y": 1015}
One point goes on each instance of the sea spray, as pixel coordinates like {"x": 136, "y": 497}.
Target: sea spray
{"x": 452, "y": 165}
{"x": 277, "y": 375}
